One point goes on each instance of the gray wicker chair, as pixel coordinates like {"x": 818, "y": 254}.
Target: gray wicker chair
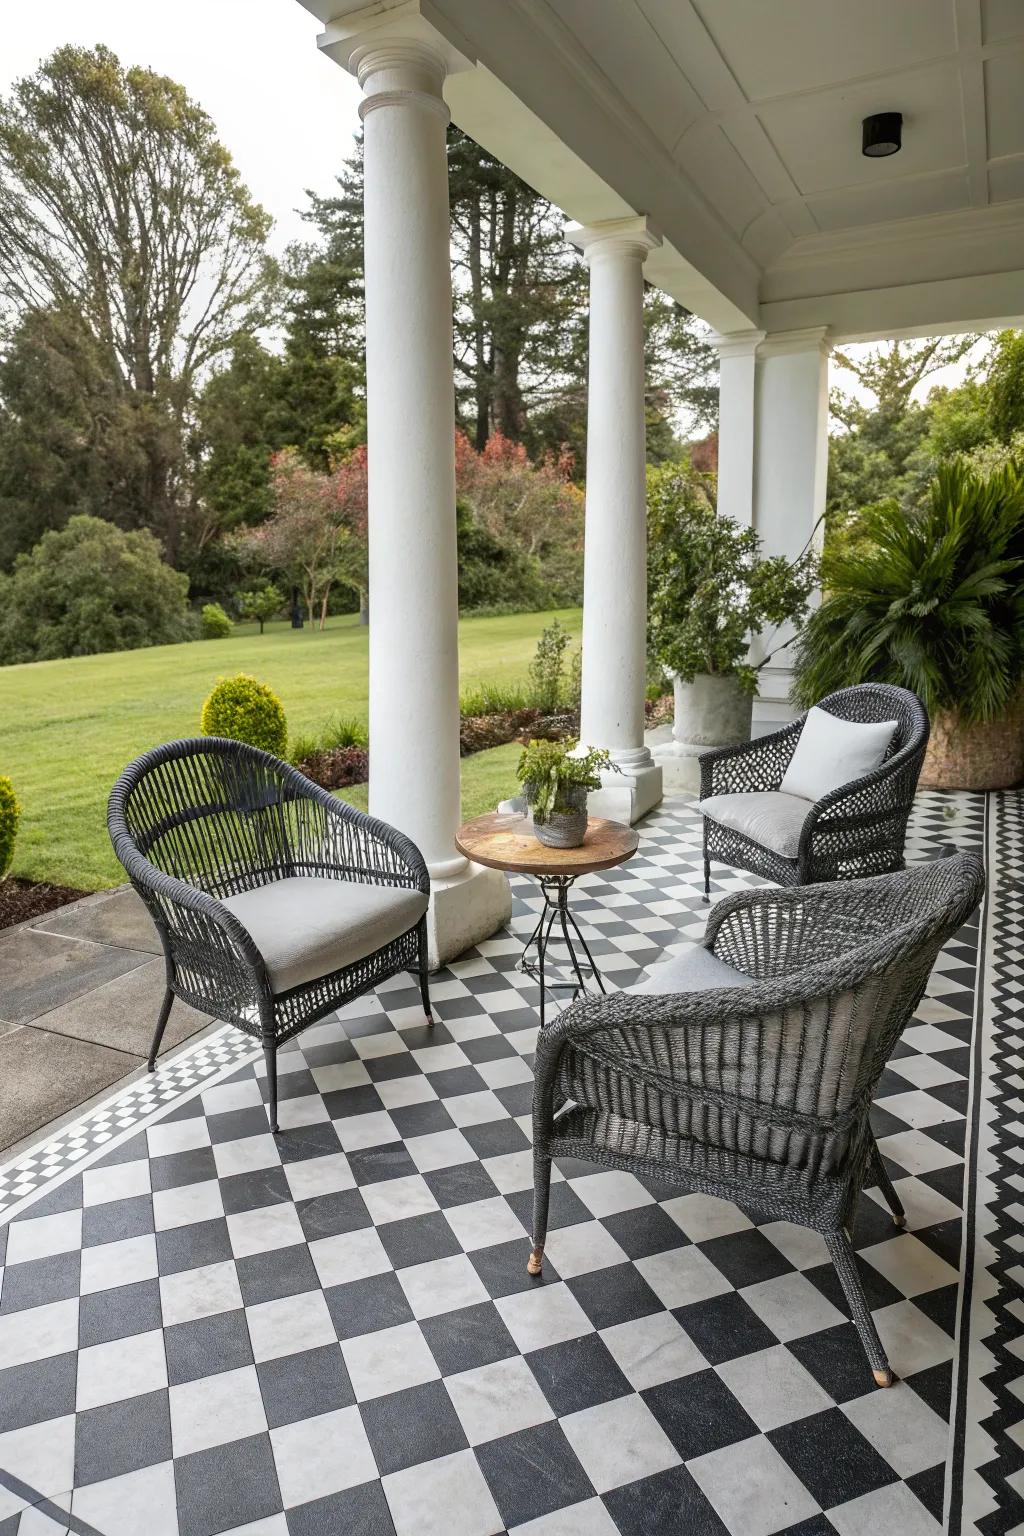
{"x": 753, "y": 1081}
{"x": 207, "y": 831}
{"x": 857, "y": 830}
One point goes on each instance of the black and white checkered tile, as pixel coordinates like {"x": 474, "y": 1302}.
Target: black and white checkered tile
{"x": 204, "y": 1329}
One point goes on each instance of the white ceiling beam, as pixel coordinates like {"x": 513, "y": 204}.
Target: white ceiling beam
{"x": 972, "y": 85}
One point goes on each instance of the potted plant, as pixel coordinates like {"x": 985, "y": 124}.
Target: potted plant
{"x": 933, "y": 599}
{"x": 710, "y": 592}
{"x": 556, "y": 778}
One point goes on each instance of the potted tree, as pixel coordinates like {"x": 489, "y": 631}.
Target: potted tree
{"x": 933, "y": 599}
{"x": 710, "y": 592}
{"x": 556, "y": 778}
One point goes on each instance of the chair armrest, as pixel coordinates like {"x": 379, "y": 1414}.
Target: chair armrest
{"x": 888, "y": 788}
{"x": 351, "y": 843}
{"x": 751, "y": 766}
{"x": 768, "y": 934}
{"x": 192, "y": 916}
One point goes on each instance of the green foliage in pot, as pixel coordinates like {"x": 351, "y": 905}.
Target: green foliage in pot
{"x": 931, "y": 599}
{"x": 549, "y": 773}
{"x": 243, "y": 709}
{"x": 10, "y": 815}
{"x": 709, "y": 588}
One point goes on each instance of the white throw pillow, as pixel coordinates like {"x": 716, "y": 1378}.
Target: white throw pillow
{"x": 832, "y": 752}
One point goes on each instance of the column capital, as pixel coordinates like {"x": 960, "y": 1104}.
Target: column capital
{"x": 409, "y": 38}
{"x": 812, "y": 338}
{"x": 737, "y": 343}
{"x": 635, "y": 237}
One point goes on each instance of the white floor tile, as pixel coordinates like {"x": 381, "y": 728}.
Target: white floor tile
{"x": 619, "y": 1442}
{"x": 422, "y": 1498}
{"x": 499, "y": 1399}
{"x": 388, "y": 1361}
{"x": 289, "y": 1325}
{"x": 121, "y": 1368}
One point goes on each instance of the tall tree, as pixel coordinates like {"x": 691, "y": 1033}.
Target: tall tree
{"x": 520, "y": 295}
{"x": 120, "y": 207}
{"x": 872, "y": 456}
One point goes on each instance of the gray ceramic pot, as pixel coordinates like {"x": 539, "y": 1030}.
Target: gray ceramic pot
{"x": 565, "y": 829}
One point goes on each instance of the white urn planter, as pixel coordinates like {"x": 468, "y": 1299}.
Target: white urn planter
{"x": 712, "y": 711}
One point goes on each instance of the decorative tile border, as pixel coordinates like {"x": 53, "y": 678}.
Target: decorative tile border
{"x": 53, "y": 1157}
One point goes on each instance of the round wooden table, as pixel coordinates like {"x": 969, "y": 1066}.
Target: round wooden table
{"x": 509, "y": 843}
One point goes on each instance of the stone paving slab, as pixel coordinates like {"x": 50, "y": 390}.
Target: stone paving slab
{"x": 40, "y": 971}
{"x": 80, "y": 990}
{"x": 44, "y": 1075}
{"x": 110, "y": 917}
{"x": 122, "y": 1013}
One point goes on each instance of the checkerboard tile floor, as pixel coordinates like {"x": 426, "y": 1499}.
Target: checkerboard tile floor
{"x": 207, "y": 1329}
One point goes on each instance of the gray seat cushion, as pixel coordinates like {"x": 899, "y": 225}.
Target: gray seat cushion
{"x": 306, "y": 927}
{"x": 694, "y": 969}
{"x": 768, "y": 817}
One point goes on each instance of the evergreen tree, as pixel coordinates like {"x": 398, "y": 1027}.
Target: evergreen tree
{"x": 873, "y": 456}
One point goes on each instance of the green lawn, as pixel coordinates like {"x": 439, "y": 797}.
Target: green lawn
{"x": 67, "y": 728}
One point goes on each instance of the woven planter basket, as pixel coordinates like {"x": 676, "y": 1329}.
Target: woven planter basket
{"x": 984, "y": 755}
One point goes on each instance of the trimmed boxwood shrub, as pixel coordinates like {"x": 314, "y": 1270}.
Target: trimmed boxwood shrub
{"x": 10, "y": 815}
{"x": 244, "y": 709}
{"x": 214, "y": 623}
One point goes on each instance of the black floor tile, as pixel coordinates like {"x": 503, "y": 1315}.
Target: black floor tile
{"x": 207, "y": 1345}
{"x": 532, "y": 1473}
{"x": 579, "y": 1373}
{"x": 667, "y": 1504}
{"x": 231, "y": 1485}
{"x": 304, "y": 1385}
{"x": 472, "y": 1336}
{"x": 122, "y": 1437}
{"x": 405, "y": 1428}
{"x": 699, "y": 1414}
{"x": 831, "y": 1457}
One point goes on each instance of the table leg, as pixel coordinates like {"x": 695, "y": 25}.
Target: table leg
{"x": 555, "y": 889}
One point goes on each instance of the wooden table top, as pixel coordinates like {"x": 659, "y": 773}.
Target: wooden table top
{"x": 508, "y": 842}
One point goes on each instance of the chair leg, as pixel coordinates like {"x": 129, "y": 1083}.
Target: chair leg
{"x": 887, "y": 1187}
{"x": 707, "y": 879}
{"x": 423, "y": 974}
{"x": 541, "y": 1199}
{"x": 841, "y": 1253}
{"x": 161, "y": 1025}
{"x": 270, "y": 1057}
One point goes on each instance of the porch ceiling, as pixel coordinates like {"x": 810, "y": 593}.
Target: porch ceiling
{"x": 736, "y": 127}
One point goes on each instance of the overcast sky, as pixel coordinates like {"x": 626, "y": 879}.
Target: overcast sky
{"x": 286, "y": 113}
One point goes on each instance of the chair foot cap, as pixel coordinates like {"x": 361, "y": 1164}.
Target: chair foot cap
{"x": 430, "y": 1019}
{"x": 883, "y": 1378}
{"x": 900, "y": 1221}
{"x": 535, "y": 1262}
{"x": 151, "y": 1065}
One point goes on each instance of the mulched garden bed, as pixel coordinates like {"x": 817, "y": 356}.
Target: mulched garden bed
{"x": 339, "y": 767}
{"x": 21, "y": 899}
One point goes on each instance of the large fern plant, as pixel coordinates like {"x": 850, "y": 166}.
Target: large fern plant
{"x": 931, "y": 599}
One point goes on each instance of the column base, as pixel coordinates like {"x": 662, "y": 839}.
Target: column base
{"x": 773, "y": 707}
{"x": 627, "y": 796}
{"x": 464, "y": 909}
{"x": 680, "y": 768}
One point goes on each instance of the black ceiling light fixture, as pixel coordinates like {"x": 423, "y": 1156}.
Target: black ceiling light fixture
{"x": 883, "y": 134}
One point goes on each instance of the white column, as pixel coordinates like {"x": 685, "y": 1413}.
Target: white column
{"x": 737, "y": 354}
{"x": 615, "y": 544}
{"x": 414, "y": 669}
{"x": 790, "y": 471}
